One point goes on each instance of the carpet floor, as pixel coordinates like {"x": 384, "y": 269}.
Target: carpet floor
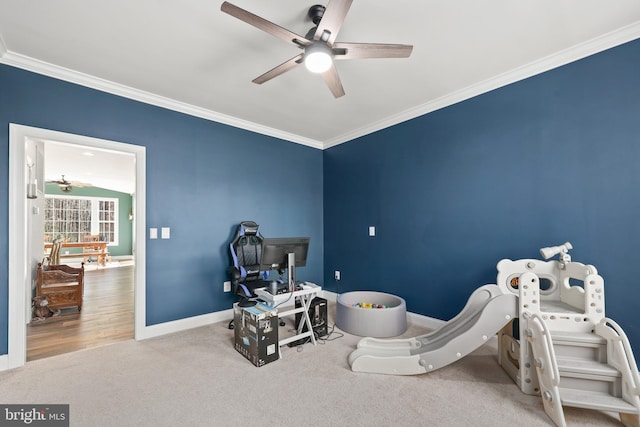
{"x": 196, "y": 377}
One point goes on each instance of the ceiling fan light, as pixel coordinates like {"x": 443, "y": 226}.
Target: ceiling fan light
{"x": 317, "y": 58}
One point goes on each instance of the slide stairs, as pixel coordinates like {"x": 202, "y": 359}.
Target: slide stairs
{"x": 580, "y": 357}
{"x": 585, "y": 370}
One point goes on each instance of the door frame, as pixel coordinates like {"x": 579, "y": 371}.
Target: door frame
{"x": 18, "y": 248}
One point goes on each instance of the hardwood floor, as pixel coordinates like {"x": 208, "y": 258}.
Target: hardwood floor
{"x": 107, "y": 317}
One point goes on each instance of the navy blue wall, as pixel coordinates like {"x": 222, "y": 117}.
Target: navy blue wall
{"x": 202, "y": 179}
{"x": 550, "y": 159}
{"x": 539, "y": 162}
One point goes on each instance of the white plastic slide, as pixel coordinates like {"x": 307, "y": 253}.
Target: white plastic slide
{"x": 486, "y": 312}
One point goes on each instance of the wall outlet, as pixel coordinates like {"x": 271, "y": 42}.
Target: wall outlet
{"x": 336, "y": 274}
{"x": 227, "y": 286}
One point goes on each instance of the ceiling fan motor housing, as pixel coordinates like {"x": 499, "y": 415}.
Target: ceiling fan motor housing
{"x": 316, "y": 12}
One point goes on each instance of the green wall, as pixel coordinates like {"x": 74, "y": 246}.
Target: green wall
{"x": 125, "y": 227}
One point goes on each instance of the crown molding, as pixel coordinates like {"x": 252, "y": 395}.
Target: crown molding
{"x": 66, "y": 74}
{"x": 582, "y": 50}
{"x": 3, "y": 48}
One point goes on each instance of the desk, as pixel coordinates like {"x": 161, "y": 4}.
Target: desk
{"x": 308, "y": 292}
{"x": 97, "y": 249}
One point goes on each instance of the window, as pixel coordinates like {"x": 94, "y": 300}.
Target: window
{"x": 107, "y": 215}
{"x": 74, "y": 217}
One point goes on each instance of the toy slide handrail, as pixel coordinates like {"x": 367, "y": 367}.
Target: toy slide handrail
{"x": 476, "y": 302}
{"x": 547, "y": 343}
{"x": 613, "y": 333}
{"x": 544, "y": 359}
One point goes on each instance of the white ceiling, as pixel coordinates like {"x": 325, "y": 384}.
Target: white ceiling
{"x": 188, "y": 56}
{"x": 88, "y": 165}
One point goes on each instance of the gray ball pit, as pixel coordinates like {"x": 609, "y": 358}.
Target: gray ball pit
{"x": 371, "y": 322}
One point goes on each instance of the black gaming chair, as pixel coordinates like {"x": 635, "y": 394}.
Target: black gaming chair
{"x": 244, "y": 272}
{"x": 246, "y": 252}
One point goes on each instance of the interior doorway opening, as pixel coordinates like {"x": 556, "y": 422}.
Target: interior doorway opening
{"x": 21, "y": 243}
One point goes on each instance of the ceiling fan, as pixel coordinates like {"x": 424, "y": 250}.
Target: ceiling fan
{"x": 319, "y": 44}
{"x": 67, "y": 186}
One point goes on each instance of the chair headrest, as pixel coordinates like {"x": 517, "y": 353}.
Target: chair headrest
{"x": 248, "y": 228}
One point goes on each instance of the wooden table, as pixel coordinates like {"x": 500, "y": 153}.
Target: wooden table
{"x": 89, "y": 249}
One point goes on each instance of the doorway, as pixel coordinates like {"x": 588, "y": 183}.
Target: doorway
{"x": 83, "y": 193}
{"x": 20, "y": 256}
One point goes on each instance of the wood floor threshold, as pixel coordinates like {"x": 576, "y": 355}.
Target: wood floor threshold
{"x": 107, "y": 317}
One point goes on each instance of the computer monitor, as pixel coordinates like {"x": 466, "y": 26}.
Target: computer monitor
{"x": 284, "y": 253}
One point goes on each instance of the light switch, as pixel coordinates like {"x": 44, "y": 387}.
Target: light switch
{"x": 166, "y": 233}
{"x": 153, "y": 233}
{"x": 372, "y": 231}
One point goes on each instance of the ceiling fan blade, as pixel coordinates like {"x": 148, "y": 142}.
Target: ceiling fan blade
{"x": 280, "y": 69}
{"x": 332, "y": 19}
{"x": 371, "y": 50}
{"x": 264, "y": 25}
{"x": 332, "y": 79}
{"x": 60, "y": 181}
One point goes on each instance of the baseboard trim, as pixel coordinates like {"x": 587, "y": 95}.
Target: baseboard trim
{"x": 162, "y": 329}
{"x": 225, "y": 315}
{"x": 184, "y": 324}
{"x": 425, "y": 321}
{"x": 180, "y": 325}
{"x": 415, "y": 318}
